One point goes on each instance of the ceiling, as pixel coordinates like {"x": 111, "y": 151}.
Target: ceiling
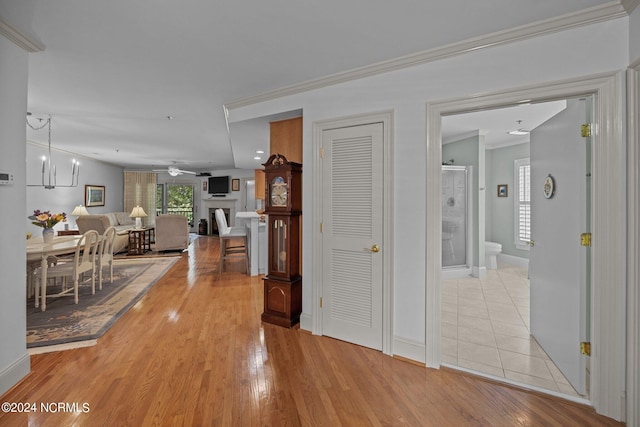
{"x": 496, "y": 124}
{"x": 142, "y": 83}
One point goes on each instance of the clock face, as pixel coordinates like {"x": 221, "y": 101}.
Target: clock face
{"x": 278, "y": 192}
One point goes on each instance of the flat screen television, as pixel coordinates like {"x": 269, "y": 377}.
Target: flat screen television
{"x": 218, "y": 184}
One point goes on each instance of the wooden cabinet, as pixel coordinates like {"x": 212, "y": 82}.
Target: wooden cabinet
{"x": 286, "y": 139}
{"x": 259, "y": 183}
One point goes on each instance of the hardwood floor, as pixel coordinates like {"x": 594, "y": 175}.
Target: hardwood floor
{"x": 193, "y": 351}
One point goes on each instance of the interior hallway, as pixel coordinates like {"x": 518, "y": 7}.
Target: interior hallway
{"x": 193, "y": 351}
{"x": 486, "y": 329}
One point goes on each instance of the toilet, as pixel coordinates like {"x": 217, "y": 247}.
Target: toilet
{"x": 491, "y": 251}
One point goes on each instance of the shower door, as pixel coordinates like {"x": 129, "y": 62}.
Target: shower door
{"x": 454, "y": 216}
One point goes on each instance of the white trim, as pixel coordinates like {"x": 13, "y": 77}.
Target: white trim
{"x": 633, "y": 245}
{"x": 630, "y": 5}
{"x": 385, "y": 117}
{"x": 306, "y": 322}
{"x": 600, "y": 13}
{"x": 496, "y": 378}
{"x": 19, "y": 39}
{"x": 14, "y": 373}
{"x": 513, "y": 260}
{"x": 456, "y": 273}
{"x": 409, "y": 349}
{"x": 608, "y": 283}
{"x": 479, "y": 272}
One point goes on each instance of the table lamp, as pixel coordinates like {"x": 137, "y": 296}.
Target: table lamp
{"x": 79, "y": 211}
{"x": 138, "y": 213}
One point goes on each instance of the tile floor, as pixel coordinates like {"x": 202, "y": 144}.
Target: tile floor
{"x": 485, "y": 328}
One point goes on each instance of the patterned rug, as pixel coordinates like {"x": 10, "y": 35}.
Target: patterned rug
{"x": 68, "y": 325}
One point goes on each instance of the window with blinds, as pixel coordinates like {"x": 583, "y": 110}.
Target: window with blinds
{"x": 522, "y": 203}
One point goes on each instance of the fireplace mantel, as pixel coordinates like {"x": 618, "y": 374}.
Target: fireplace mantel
{"x": 209, "y": 205}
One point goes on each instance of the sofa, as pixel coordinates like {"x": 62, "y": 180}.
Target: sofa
{"x": 119, "y": 220}
{"x": 172, "y": 232}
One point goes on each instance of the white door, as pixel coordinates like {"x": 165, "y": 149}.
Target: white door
{"x": 558, "y": 263}
{"x": 352, "y": 218}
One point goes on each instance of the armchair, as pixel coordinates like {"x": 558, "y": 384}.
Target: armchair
{"x": 172, "y": 232}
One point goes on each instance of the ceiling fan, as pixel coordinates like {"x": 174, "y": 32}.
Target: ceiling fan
{"x": 174, "y": 171}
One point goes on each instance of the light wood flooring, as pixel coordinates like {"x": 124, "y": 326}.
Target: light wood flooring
{"x": 193, "y": 352}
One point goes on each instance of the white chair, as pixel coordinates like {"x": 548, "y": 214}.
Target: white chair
{"x": 82, "y": 262}
{"x": 105, "y": 254}
{"x": 228, "y": 234}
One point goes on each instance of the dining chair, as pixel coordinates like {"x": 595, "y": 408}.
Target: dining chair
{"x": 228, "y": 234}
{"x": 32, "y": 267}
{"x": 83, "y": 261}
{"x": 105, "y": 254}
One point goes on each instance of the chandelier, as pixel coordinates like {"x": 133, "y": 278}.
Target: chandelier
{"x": 48, "y": 169}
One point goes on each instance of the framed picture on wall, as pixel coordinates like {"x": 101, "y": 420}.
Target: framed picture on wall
{"x": 503, "y": 190}
{"x": 235, "y": 185}
{"x": 94, "y": 195}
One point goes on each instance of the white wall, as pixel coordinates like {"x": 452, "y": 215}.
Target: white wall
{"x": 577, "y": 52}
{"x": 62, "y": 199}
{"x": 501, "y": 219}
{"x": 14, "y": 359}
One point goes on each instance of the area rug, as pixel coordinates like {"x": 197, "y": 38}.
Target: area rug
{"x": 68, "y": 325}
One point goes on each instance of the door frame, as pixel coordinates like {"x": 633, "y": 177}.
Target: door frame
{"x": 608, "y": 266}
{"x": 386, "y": 118}
{"x": 633, "y": 244}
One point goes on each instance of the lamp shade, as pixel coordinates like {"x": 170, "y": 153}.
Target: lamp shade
{"x": 138, "y": 213}
{"x": 79, "y": 211}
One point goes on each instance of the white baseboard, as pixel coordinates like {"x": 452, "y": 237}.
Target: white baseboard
{"x": 513, "y": 260}
{"x": 479, "y": 272}
{"x": 14, "y": 373}
{"x": 305, "y": 322}
{"x": 455, "y": 273}
{"x": 409, "y": 349}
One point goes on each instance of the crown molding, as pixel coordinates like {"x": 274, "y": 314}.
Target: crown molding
{"x": 19, "y": 39}
{"x": 630, "y": 5}
{"x": 604, "y": 12}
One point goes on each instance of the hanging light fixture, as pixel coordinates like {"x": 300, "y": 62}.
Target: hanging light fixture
{"x": 48, "y": 168}
{"x": 519, "y": 131}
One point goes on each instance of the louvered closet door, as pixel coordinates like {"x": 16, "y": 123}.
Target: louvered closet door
{"x": 352, "y": 225}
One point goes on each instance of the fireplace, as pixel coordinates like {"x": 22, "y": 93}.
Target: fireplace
{"x": 214, "y": 224}
{"x": 209, "y": 206}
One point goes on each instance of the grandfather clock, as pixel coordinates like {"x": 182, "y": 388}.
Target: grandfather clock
{"x": 283, "y": 205}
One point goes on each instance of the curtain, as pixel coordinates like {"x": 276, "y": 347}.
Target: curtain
{"x": 140, "y": 190}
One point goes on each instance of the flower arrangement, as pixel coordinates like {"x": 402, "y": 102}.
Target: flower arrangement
{"x": 47, "y": 219}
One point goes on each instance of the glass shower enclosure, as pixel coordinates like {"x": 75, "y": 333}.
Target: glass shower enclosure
{"x": 455, "y": 216}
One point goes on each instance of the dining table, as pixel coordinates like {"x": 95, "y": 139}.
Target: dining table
{"x": 38, "y": 250}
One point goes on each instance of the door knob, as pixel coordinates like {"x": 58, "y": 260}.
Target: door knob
{"x": 531, "y": 243}
{"x": 375, "y": 249}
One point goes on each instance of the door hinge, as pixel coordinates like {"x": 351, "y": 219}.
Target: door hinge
{"x": 320, "y": 302}
{"x": 585, "y": 130}
{"x": 320, "y": 227}
{"x": 585, "y": 348}
{"x": 321, "y": 153}
{"x": 585, "y": 239}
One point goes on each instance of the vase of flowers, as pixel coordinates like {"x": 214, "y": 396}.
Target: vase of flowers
{"x": 47, "y": 220}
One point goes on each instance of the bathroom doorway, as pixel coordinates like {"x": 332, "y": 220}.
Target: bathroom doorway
{"x": 486, "y": 316}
